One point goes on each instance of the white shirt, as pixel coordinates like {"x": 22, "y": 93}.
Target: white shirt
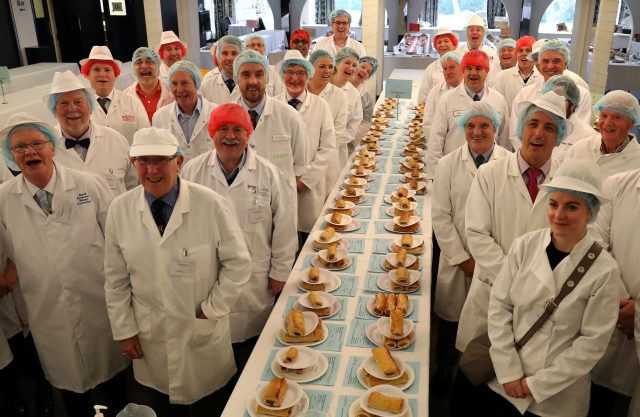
{"x": 610, "y": 164}
{"x": 580, "y": 131}
{"x": 431, "y": 77}
{"x": 216, "y": 91}
{"x": 509, "y": 83}
{"x": 327, "y": 43}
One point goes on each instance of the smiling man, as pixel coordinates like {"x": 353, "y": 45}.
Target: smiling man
{"x": 452, "y": 73}
{"x": 171, "y": 50}
{"x": 510, "y": 81}
{"x": 340, "y": 24}
{"x": 507, "y": 59}
{"x": 220, "y": 87}
{"x": 301, "y": 40}
{"x": 475, "y": 31}
{"x": 445, "y": 40}
{"x": 152, "y": 92}
{"x": 255, "y": 42}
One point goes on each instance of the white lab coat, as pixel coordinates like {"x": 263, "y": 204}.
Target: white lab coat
{"x": 431, "y": 77}
{"x": 499, "y": 209}
{"x": 454, "y": 176}
{"x": 577, "y": 79}
{"x": 5, "y": 174}
{"x": 275, "y": 86}
{"x": 580, "y": 131}
{"x": 430, "y": 107}
{"x": 494, "y": 70}
{"x": 59, "y": 259}
{"x": 339, "y": 105}
{"x": 368, "y": 100}
{"x": 322, "y": 156}
{"x": 354, "y": 118}
{"x": 216, "y": 91}
{"x": 463, "y": 48}
{"x": 157, "y": 284}
{"x": 165, "y": 93}
{"x": 200, "y": 141}
{"x": 126, "y": 115}
{"x": 446, "y": 136}
{"x": 609, "y": 164}
{"x": 163, "y": 72}
{"x": 558, "y": 358}
{"x": 509, "y": 83}
{"x": 258, "y": 200}
{"x": 107, "y": 156}
{"x": 534, "y": 91}
{"x": 328, "y": 44}
{"x": 618, "y": 370}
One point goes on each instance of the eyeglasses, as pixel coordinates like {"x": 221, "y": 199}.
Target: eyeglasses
{"x": 255, "y": 45}
{"x": 145, "y": 162}
{"x": 22, "y": 147}
{"x": 300, "y": 73}
{"x": 302, "y": 41}
{"x": 340, "y": 23}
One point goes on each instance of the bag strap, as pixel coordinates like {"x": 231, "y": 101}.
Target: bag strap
{"x": 585, "y": 263}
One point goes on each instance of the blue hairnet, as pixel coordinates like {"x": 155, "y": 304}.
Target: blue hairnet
{"x": 346, "y": 53}
{"x": 339, "y": 12}
{"x": 6, "y": 144}
{"x": 557, "y": 46}
{"x": 250, "y": 57}
{"x": 590, "y": 200}
{"x": 563, "y": 86}
{"x": 251, "y": 36}
{"x": 228, "y": 40}
{"x": 372, "y": 61}
{"x": 480, "y": 108}
{"x": 451, "y": 55}
{"x": 560, "y": 122}
{"x": 620, "y": 102}
{"x": 302, "y": 62}
{"x": 506, "y": 42}
{"x": 144, "y": 52}
{"x": 186, "y": 66}
{"x": 53, "y": 100}
{"x": 319, "y": 53}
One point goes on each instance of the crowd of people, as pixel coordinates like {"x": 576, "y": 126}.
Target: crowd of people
{"x": 154, "y": 227}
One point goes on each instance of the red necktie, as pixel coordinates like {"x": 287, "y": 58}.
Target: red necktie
{"x": 532, "y": 183}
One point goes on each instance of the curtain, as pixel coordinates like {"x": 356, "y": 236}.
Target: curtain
{"x": 323, "y": 10}
{"x": 223, "y": 9}
{"x": 430, "y": 12}
{"x": 494, "y": 8}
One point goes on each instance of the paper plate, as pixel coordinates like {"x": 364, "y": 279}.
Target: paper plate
{"x": 314, "y": 372}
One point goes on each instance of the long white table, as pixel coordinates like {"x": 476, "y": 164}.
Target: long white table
{"x": 27, "y": 76}
{"x": 368, "y": 246}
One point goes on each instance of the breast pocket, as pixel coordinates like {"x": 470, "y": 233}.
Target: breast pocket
{"x": 114, "y": 177}
{"x": 192, "y": 276}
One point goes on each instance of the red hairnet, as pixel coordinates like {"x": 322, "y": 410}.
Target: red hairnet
{"x": 475, "y": 58}
{"x": 299, "y": 34}
{"x": 229, "y": 113}
{"x": 183, "y": 48}
{"x": 451, "y": 36}
{"x": 525, "y": 41}
{"x": 87, "y": 66}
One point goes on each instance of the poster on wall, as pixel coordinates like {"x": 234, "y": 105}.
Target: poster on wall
{"x": 117, "y": 8}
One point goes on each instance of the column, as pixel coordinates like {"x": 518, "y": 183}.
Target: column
{"x": 607, "y": 18}
{"x": 189, "y": 27}
{"x": 582, "y": 35}
{"x": 373, "y": 38}
{"x": 153, "y": 22}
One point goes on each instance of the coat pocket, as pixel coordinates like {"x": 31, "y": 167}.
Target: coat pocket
{"x": 143, "y": 320}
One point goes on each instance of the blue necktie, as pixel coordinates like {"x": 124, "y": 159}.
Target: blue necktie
{"x": 294, "y": 103}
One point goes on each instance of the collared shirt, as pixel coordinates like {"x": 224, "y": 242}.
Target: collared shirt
{"x": 230, "y": 176}
{"x": 188, "y": 122}
{"x": 49, "y": 188}
{"x": 486, "y": 155}
{"x": 150, "y": 102}
{"x": 301, "y": 97}
{"x": 170, "y": 200}
{"x": 258, "y": 109}
{"x": 620, "y": 148}
{"x": 523, "y": 165}
{"x": 82, "y": 151}
{"x": 525, "y": 78}
{"x": 473, "y": 93}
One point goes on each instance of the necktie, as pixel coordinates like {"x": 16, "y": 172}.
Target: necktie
{"x": 479, "y": 160}
{"x": 157, "y": 210}
{"x": 294, "y": 103}
{"x": 104, "y": 103}
{"x": 71, "y": 143}
{"x": 532, "y": 183}
{"x": 42, "y": 198}
{"x": 254, "y": 117}
{"x": 230, "y": 84}
{"x": 476, "y": 97}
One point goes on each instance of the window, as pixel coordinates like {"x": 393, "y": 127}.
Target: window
{"x": 354, "y": 7}
{"x": 456, "y": 13}
{"x": 252, "y": 10}
{"x": 560, "y": 11}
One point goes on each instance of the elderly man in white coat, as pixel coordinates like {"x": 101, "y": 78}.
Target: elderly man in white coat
{"x": 255, "y": 41}
{"x": 340, "y": 24}
{"x": 615, "y": 149}
{"x": 175, "y": 262}
{"x": 116, "y": 109}
{"x": 279, "y": 131}
{"x": 314, "y": 185}
{"x": 171, "y": 50}
{"x": 450, "y": 189}
{"x": 257, "y": 193}
{"x": 445, "y": 135}
{"x": 48, "y": 216}
{"x": 88, "y": 146}
{"x": 445, "y": 40}
{"x": 510, "y": 81}
{"x": 475, "y": 31}
{"x": 504, "y": 203}
{"x": 188, "y": 116}
{"x": 220, "y": 86}
{"x": 506, "y": 60}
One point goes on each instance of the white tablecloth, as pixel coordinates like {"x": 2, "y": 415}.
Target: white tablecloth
{"x": 37, "y": 74}
{"x": 239, "y": 29}
{"x": 253, "y": 372}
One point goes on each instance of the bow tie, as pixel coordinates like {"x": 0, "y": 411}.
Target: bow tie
{"x": 72, "y": 143}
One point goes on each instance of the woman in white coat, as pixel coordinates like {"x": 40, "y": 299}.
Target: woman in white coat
{"x": 367, "y": 68}
{"x": 189, "y": 108}
{"x": 549, "y": 376}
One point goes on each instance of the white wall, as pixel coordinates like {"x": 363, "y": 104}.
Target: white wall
{"x": 25, "y": 26}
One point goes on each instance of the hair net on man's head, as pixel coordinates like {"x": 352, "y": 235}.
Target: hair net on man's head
{"x": 346, "y": 53}
{"x": 250, "y": 57}
{"x": 590, "y": 200}
{"x": 620, "y": 102}
{"x": 563, "y": 86}
{"x": 53, "y": 100}
{"x": 560, "y": 122}
{"x": 319, "y": 53}
{"x": 299, "y": 34}
{"x": 186, "y": 66}
{"x": 302, "y": 62}
{"x": 480, "y": 108}
{"x": 251, "y": 36}
{"x": 228, "y": 40}
{"x": 525, "y": 41}
{"x": 372, "y": 61}
{"x": 451, "y": 55}
{"x": 556, "y": 45}
{"x": 229, "y": 113}
{"x": 144, "y": 52}
{"x": 6, "y": 145}
{"x": 505, "y": 43}
{"x": 337, "y": 13}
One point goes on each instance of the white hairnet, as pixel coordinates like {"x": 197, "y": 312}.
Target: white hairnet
{"x": 563, "y": 86}
{"x": 620, "y": 102}
{"x": 451, "y": 55}
{"x": 250, "y": 57}
{"x": 228, "y": 40}
{"x": 556, "y": 46}
{"x": 339, "y": 12}
{"x": 186, "y": 66}
{"x": 480, "y": 108}
{"x": 505, "y": 43}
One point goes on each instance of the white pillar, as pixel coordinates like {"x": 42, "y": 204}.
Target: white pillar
{"x": 373, "y": 38}
{"x": 607, "y": 18}
{"x": 189, "y": 27}
{"x": 582, "y": 35}
{"x": 153, "y": 22}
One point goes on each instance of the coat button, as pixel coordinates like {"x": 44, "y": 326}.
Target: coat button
{"x": 570, "y": 284}
{"x": 581, "y": 270}
{"x": 591, "y": 255}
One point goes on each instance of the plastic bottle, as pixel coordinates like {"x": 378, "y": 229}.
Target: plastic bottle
{"x": 98, "y": 409}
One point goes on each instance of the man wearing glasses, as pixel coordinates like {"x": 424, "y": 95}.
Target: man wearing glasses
{"x": 300, "y": 40}
{"x": 175, "y": 262}
{"x": 340, "y": 24}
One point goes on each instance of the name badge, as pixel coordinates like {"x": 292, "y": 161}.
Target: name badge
{"x": 83, "y": 198}
{"x": 457, "y": 113}
{"x": 128, "y": 117}
{"x": 280, "y": 155}
{"x": 183, "y": 267}
{"x": 280, "y": 138}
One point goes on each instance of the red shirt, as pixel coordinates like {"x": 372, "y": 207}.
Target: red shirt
{"x": 150, "y": 103}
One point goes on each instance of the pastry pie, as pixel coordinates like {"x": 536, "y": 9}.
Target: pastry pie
{"x": 274, "y": 392}
{"x": 383, "y": 402}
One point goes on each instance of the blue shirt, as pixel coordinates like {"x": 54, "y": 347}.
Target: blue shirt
{"x": 170, "y": 199}
{"x": 230, "y": 176}
{"x": 188, "y": 122}
{"x": 471, "y": 93}
{"x": 259, "y": 108}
